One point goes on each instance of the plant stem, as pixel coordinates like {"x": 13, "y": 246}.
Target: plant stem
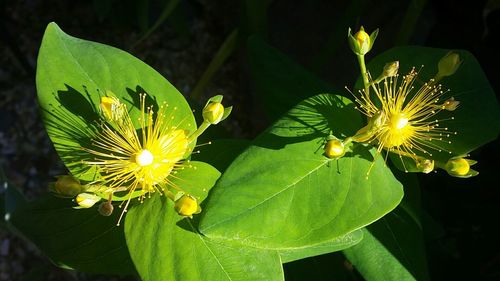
{"x": 364, "y": 74}
{"x": 199, "y": 131}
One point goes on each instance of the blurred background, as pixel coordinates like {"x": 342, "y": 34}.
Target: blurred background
{"x": 200, "y": 46}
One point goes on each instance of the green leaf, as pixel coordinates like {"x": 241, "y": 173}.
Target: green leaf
{"x": 282, "y": 193}
{"x": 476, "y": 120}
{"x": 79, "y": 239}
{"x": 73, "y": 74}
{"x": 280, "y": 82}
{"x": 165, "y": 246}
{"x": 393, "y": 247}
{"x": 334, "y": 245}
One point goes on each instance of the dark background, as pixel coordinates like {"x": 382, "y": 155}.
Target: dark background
{"x": 462, "y": 214}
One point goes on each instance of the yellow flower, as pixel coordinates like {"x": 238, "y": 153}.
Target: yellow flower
{"x": 407, "y": 124}
{"x": 137, "y": 159}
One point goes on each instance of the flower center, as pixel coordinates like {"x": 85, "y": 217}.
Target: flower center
{"x": 144, "y": 158}
{"x": 398, "y": 122}
{"x": 397, "y": 131}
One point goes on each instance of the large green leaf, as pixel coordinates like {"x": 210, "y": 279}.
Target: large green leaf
{"x": 72, "y": 75}
{"x": 282, "y": 193}
{"x": 79, "y": 239}
{"x": 476, "y": 120}
{"x": 334, "y": 245}
{"x": 393, "y": 247}
{"x": 280, "y": 82}
{"x": 165, "y": 246}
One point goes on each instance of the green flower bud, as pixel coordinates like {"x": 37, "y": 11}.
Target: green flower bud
{"x": 86, "y": 200}
{"x": 187, "y": 205}
{"x": 67, "y": 185}
{"x": 334, "y": 148}
{"x": 361, "y": 43}
{"x": 425, "y": 165}
{"x": 391, "y": 69}
{"x": 460, "y": 167}
{"x": 449, "y": 64}
{"x": 213, "y": 112}
{"x": 450, "y": 104}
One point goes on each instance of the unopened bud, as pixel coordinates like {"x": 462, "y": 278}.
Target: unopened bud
{"x": 334, "y": 148}
{"x": 391, "y": 69}
{"x": 67, "y": 186}
{"x": 106, "y": 208}
{"x": 450, "y": 104}
{"x": 361, "y": 43}
{"x": 449, "y": 64}
{"x": 111, "y": 108}
{"x": 86, "y": 200}
{"x": 371, "y": 129}
{"x": 187, "y": 205}
{"x": 213, "y": 112}
{"x": 460, "y": 167}
{"x": 425, "y": 165}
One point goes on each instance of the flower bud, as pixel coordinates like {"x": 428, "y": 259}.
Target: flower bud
{"x": 371, "y": 129}
{"x": 460, "y": 167}
{"x": 449, "y": 64}
{"x": 425, "y": 165}
{"x": 67, "y": 186}
{"x": 213, "y": 112}
{"x": 187, "y": 205}
{"x": 450, "y": 104}
{"x": 106, "y": 208}
{"x": 334, "y": 148}
{"x": 391, "y": 69}
{"x": 111, "y": 108}
{"x": 361, "y": 43}
{"x": 86, "y": 200}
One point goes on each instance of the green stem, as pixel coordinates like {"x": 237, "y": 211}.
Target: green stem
{"x": 364, "y": 73}
{"x": 199, "y": 131}
{"x": 169, "y": 194}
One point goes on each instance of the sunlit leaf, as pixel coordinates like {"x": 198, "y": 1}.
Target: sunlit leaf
{"x": 72, "y": 75}
{"x": 283, "y": 193}
{"x": 165, "y": 246}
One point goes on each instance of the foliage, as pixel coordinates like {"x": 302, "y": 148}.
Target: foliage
{"x": 276, "y": 199}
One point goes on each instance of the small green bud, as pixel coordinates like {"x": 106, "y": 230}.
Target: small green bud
{"x": 67, "y": 185}
{"x": 86, "y": 200}
{"x": 213, "y": 112}
{"x": 449, "y": 64}
{"x": 450, "y": 104}
{"x": 334, "y": 148}
{"x": 460, "y": 167}
{"x": 391, "y": 69}
{"x": 187, "y": 206}
{"x": 425, "y": 165}
{"x": 361, "y": 43}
